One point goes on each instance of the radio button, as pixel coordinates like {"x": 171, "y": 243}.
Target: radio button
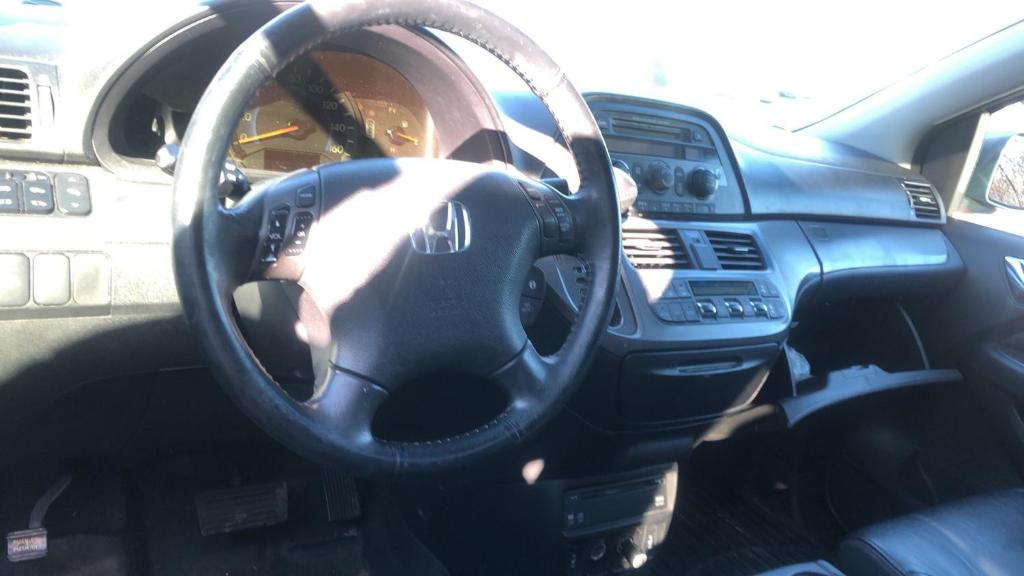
{"x": 675, "y": 310}
{"x": 662, "y": 311}
{"x": 690, "y": 312}
{"x": 767, "y": 289}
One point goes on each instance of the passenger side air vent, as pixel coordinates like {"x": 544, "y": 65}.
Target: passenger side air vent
{"x": 15, "y": 104}
{"x": 923, "y": 200}
{"x": 736, "y": 251}
{"x": 655, "y": 249}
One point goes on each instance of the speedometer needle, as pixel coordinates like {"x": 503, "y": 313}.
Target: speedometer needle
{"x": 270, "y": 134}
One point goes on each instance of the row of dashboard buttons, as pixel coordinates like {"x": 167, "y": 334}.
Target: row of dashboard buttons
{"x": 31, "y": 192}
{"x": 707, "y": 309}
{"x": 672, "y": 207}
{"x": 54, "y": 279}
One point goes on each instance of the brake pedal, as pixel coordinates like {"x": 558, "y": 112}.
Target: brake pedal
{"x": 234, "y": 509}
{"x": 33, "y": 543}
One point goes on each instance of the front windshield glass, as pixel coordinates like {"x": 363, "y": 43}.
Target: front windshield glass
{"x": 786, "y": 63}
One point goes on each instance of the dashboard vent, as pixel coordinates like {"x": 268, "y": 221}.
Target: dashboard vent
{"x": 923, "y": 199}
{"x": 736, "y": 251}
{"x": 15, "y": 104}
{"x": 655, "y": 249}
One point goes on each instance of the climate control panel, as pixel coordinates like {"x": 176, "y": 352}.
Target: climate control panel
{"x": 684, "y": 300}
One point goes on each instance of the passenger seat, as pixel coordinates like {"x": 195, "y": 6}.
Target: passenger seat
{"x": 983, "y": 535}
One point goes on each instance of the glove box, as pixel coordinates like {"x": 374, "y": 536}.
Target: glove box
{"x": 693, "y": 384}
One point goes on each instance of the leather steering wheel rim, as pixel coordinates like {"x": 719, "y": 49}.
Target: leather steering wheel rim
{"x": 214, "y": 246}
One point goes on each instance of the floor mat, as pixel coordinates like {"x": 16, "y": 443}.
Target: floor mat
{"x": 728, "y": 533}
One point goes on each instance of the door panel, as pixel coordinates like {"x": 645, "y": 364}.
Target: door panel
{"x": 980, "y": 326}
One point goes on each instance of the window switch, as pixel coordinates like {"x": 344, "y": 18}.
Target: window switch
{"x": 10, "y": 203}
{"x": 72, "y": 191}
{"x": 38, "y": 197}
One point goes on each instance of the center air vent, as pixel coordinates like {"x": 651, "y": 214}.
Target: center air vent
{"x": 923, "y": 200}
{"x": 15, "y": 104}
{"x": 736, "y": 251}
{"x": 655, "y": 249}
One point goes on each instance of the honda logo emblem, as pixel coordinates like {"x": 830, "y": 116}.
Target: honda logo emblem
{"x": 446, "y": 231}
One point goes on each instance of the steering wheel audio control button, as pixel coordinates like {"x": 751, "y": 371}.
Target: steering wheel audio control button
{"x": 549, "y": 223}
{"x": 305, "y": 197}
{"x": 303, "y": 221}
{"x": 278, "y": 224}
{"x": 562, "y": 216}
{"x": 270, "y": 253}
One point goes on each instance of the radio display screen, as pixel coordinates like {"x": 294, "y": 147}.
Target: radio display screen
{"x": 643, "y": 147}
{"x": 722, "y": 288}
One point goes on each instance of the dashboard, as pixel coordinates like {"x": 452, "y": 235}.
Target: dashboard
{"x": 731, "y": 241}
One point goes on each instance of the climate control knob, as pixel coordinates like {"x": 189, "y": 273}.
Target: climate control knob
{"x": 659, "y": 177}
{"x": 703, "y": 182}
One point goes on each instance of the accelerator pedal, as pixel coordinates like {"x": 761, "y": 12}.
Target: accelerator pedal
{"x": 341, "y": 496}
{"x": 242, "y": 508}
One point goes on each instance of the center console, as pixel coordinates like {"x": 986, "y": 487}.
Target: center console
{"x": 705, "y": 303}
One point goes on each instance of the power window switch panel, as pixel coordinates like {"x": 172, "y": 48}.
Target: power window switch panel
{"x": 90, "y": 279}
{"x": 14, "y": 282}
{"x": 51, "y": 279}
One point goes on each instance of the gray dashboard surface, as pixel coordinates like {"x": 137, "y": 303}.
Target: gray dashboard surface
{"x": 855, "y": 188}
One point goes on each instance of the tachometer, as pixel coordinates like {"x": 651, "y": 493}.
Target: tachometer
{"x": 299, "y": 120}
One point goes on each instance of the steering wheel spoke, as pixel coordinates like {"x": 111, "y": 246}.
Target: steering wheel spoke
{"x": 346, "y": 404}
{"x": 524, "y": 378}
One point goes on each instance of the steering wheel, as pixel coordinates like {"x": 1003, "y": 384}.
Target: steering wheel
{"x": 409, "y": 267}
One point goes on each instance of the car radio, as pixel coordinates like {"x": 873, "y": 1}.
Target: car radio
{"x": 678, "y": 159}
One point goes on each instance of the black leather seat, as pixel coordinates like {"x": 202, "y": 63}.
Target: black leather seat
{"x": 980, "y": 535}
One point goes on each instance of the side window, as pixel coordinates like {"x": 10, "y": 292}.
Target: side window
{"x": 1007, "y": 185}
{"x": 994, "y": 195}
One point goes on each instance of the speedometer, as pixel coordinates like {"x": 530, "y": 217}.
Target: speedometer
{"x": 332, "y": 106}
{"x": 299, "y": 120}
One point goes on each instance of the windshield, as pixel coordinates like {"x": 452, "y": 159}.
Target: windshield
{"x": 786, "y": 64}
